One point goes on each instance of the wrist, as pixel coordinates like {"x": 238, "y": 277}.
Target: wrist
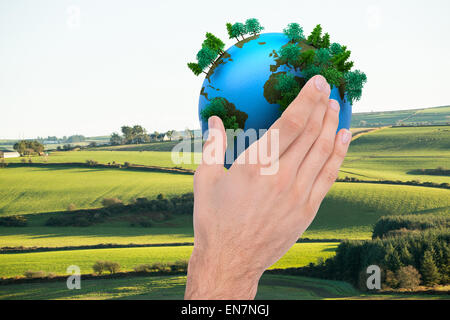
{"x": 209, "y": 277}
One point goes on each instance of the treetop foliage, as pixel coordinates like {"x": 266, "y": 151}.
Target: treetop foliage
{"x": 27, "y": 147}
{"x": 217, "y": 107}
{"x": 238, "y": 29}
{"x": 315, "y": 55}
{"x": 253, "y": 26}
{"x": 212, "y": 46}
{"x": 329, "y": 60}
{"x": 294, "y": 32}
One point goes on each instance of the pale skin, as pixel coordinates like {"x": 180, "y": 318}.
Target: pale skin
{"x": 244, "y": 222}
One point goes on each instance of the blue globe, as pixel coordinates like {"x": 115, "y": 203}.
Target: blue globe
{"x": 240, "y": 76}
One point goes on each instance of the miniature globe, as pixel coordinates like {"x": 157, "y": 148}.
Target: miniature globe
{"x": 241, "y": 76}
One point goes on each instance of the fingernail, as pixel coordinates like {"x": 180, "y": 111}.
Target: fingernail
{"x": 346, "y": 136}
{"x": 321, "y": 84}
{"x": 334, "y": 105}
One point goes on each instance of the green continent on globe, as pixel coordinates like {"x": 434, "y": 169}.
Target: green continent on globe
{"x": 221, "y": 107}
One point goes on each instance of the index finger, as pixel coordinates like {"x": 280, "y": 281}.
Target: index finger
{"x": 293, "y": 121}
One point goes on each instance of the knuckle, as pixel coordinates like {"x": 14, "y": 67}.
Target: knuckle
{"x": 298, "y": 194}
{"x": 313, "y": 128}
{"x": 198, "y": 175}
{"x": 340, "y": 153}
{"x": 325, "y": 147}
{"x": 294, "y": 123}
{"x": 310, "y": 95}
{"x": 330, "y": 175}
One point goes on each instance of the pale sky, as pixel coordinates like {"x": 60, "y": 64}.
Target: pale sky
{"x": 91, "y": 66}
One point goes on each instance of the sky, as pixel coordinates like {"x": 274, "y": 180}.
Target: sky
{"x": 90, "y": 66}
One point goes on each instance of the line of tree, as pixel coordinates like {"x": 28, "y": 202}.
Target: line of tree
{"x": 389, "y": 226}
{"x": 251, "y": 26}
{"x": 27, "y": 147}
{"x": 411, "y": 250}
{"x": 316, "y": 55}
{"x": 213, "y": 47}
{"x": 138, "y": 135}
{"x": 142, "y": 211}
{"x": 71, "y": 139}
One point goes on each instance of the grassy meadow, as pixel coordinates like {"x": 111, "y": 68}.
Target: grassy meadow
{"x": 172, "y": 287}
{"x": 56, "y": 262}
{"x": 31, "y": 190}
{"x": 349, "y": 211}
{"x": 428, "y": 116}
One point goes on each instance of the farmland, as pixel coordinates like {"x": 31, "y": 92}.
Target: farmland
{"x": 53, "y": 189}
{"x": 172, "y": 287}
{"x": 56, "y": 262}
{"x": 349, "y": 211}
{"x": 428, "y": 116}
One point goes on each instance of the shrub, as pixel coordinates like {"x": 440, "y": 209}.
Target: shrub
{"x": 146, "y": 224}
{"x": 13, "y": 221}
{"x": 71, "y": 207}
{"x": 427, "y": 251}
{"x": 110, "y": 202}
{"x": 112, "y": 267}
{"x": 390, "y": 279}
{"x": 386, "y": 226}
{"x": 91, "y": 163}
{"x": 178, "y": 266}
{"x": 35, "y": 274}
{"x": 408, "y": 277}
{"x": 101, "y": 266}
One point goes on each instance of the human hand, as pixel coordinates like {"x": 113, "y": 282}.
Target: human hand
{"x": 245, "y": 221}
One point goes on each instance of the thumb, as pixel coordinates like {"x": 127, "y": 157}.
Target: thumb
{"x": 215, "y": 146}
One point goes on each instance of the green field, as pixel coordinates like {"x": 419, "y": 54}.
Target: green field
{"x": 348, "y": 212}
{"x": 57, "y": 262}
{"x": 153, "y": 158}
{"x": 428, "y": 116}
{"x": 394, "y": 153}
{"x": 32, "y": 190}
{"x": 172, "y": 287}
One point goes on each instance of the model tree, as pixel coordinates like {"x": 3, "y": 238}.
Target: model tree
{"x": 354, "y": 82}
{"x": 288, "y": 88}
{"x": 310, "y": 71}
{"x": 195, "y": 68}
{"x": 335, "y": 48}
{"x": 307, "y": 57}
{"x": 213, "y": 43}
{"x": 238, "y": 29}
{"x": 230, "y": 31}
{"x": 315, "y": 36}
{"x": 253, "y": 26}
{"x": 290, "y": 54}
{"x": 322, "y": 57}
{"x": 333, "y": 76}
{"x": 211, "y": 48}
{"x": 206, "y": 57}
{"x": 216, "y": 107}
{"x": 294, "y": 32}
{"x": 325, "y": 42}
{"x": 340, "y": 60}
